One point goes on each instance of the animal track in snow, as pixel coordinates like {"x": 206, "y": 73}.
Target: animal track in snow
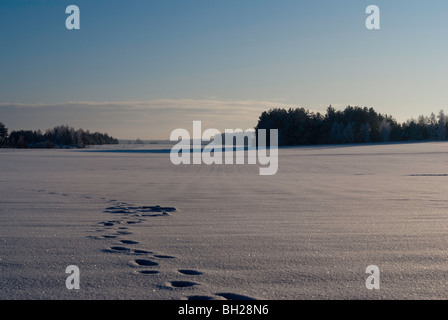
{"x": 129, "y": 241}
{"x": 234, "y": 296}
{"x": 145, "y": 262}
{"x": 182, "y": 284}
{"x": 161, "y": 256}
{"x": 190, "y": 272}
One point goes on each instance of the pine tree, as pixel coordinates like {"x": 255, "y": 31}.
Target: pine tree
{"x": 3, "y": 135}
{"x": 441, "y": 130}
{"x": 385, "y": 130}
{"x": 433, "y": 126}
{"x": 349, "y": 133}
{"x": 364, "y": 132}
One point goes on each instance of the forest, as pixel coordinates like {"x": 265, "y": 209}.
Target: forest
{"x": 300, "y": 126}
{"x": 58, "y": 137}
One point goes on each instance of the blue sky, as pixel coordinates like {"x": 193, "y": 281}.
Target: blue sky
{"x": 142, "y": 68}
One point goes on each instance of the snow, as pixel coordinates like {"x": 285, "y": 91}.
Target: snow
{"x": 307, "y": 232}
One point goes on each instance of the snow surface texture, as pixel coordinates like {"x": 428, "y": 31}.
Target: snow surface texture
{"x": 139, "y": 227}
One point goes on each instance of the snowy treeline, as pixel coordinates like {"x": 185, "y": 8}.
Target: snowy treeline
{"x": 352, "y": 125}
{"x": 58, "y": 137}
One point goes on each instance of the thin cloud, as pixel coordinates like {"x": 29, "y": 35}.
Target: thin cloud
{"x": 137, "y": 118}
{"x": 161, "y": 105}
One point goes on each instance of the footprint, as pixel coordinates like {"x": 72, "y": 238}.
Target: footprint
{"x": 146, "y": 263}
{"x": 182, "y": 284}
{"x": 123, "y": 232}
{"x": 106, "y": 236}
{"x": 115, "y": 211}
{"x": 129, "y": 241}
{"x": 190, "y": 272}
{"x": 161, "y": 256}
{"x": 142, "y": 251}
{"x": 133, "y": 208}
{"x": 107, "y": 224}
{"x": 156, "y": 209}
{"x": 150, "y": 209}
{"x": 133, "y": 222}
{"x": 234, "y": 296}
{"x": 115, "y": 250}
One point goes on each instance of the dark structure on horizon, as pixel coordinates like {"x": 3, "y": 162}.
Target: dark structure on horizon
{"x": 352, "y": 125}
{"x": 58, "y": 137}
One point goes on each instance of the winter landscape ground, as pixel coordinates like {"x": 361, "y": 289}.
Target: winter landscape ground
{"x": 139, "y": 227}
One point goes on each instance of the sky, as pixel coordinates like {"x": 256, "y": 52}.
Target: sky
{"x": 142, "y": 68}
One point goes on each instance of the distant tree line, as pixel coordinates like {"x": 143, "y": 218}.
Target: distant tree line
{"x": 136, "y": 141}
{"x": 58, "y": 137}
{"x": 353, "y": 125}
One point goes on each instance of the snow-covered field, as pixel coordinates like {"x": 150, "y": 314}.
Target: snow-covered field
{"x": 308, "y": 232}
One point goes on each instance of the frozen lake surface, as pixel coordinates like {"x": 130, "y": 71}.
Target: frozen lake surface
{"x": 139, "y": 227}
